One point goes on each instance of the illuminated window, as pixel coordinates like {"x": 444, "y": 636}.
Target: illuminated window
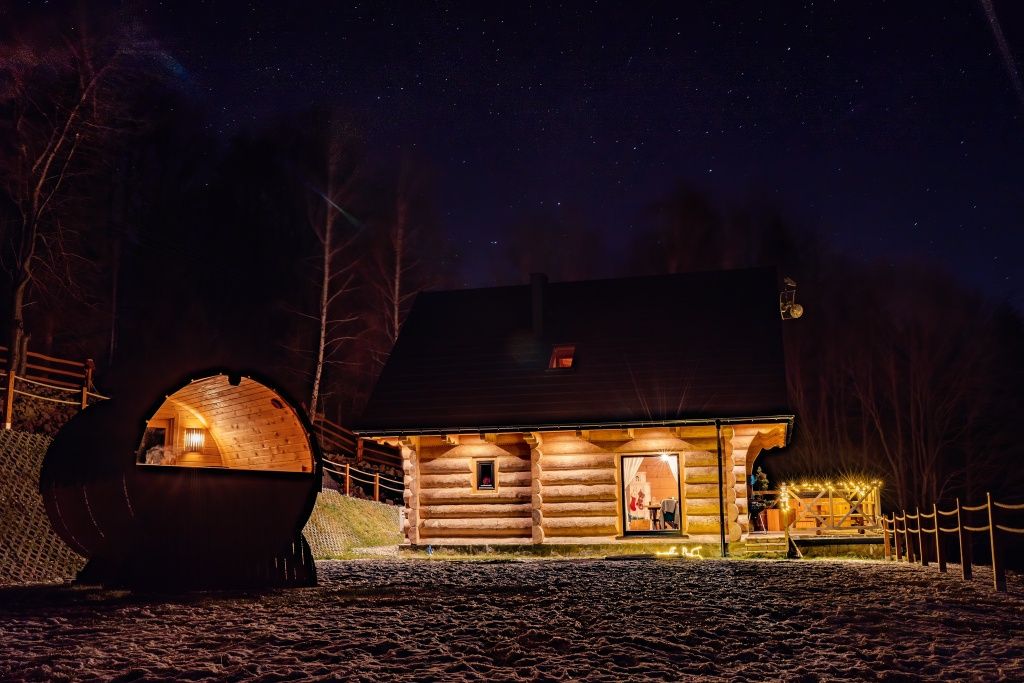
{"x": 484, "y": 475}
{"x": 562, "y": 357}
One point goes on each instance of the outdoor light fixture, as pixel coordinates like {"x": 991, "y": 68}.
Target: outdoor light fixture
{"x": 195, "y": 438}
{"x": 789, "y": 309}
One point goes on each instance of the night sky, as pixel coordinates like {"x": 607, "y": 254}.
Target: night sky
{"x": 892, "y": 129}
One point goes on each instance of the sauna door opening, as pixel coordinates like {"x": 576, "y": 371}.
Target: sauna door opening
{"x": 211, "y": 422}
{"x": 651, "y": 494}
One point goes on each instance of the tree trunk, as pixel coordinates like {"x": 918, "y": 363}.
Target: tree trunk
{"x": 325, "y": 287}
{"x": 396, "y": 285}
{"x": 15, "y": 348}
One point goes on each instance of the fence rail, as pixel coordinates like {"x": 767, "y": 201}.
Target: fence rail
{"x": 350, "y": 474}
{"x": 337, "y": 439}
{"x": 72, "y": 378}
{"x": 900, "y": 541}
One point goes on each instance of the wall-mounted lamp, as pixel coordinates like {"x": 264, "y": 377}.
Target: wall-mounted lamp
{"x": 195, "y": 439}
{"x": 789, "y": 309}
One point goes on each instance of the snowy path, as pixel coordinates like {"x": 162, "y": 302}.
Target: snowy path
{"x": 599, "y": 620}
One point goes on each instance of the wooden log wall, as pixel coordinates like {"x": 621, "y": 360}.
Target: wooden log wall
{"x": 557, "y": 486}
{"x": 445, "y": 501}
{"x": 575, "y": 488}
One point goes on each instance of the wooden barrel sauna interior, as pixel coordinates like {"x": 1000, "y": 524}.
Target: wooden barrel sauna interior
{"x": 210, "y": 423}
{"x": 207, "y": 485}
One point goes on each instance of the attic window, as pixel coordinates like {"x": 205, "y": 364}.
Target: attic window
{"x": 562, "y": 357}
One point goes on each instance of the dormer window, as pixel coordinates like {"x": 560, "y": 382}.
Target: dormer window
{"x": 562, "y": 357}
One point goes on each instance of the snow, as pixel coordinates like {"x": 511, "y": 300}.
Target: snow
{"x": 528, "y": 620}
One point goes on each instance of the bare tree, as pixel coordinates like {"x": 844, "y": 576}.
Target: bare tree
{"x": 337, "y": 232}
{"x": 65, "y": 99}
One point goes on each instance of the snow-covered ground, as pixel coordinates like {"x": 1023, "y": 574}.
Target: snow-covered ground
{"x": 593, "y": 619}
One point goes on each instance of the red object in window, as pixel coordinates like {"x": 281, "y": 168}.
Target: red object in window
{"x": 562, "y": 357}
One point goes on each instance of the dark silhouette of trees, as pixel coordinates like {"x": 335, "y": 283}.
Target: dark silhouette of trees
{"x": 66, "y": 94}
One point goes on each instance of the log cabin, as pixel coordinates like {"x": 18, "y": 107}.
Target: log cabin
{"x": 585, "y": 412}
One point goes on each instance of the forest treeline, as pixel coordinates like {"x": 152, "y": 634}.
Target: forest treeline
{"x": 136, "y": 234}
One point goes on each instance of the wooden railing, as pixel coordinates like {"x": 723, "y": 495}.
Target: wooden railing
{"x": 903, "y": 540}
{"x": 40, "y": 375}
{"x": 813, "y": 509}
{"x": 350, "y": 474}
{"x": 340, "y": 441}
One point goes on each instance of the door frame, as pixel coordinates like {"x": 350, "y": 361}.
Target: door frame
{"x": 680, "y": 532}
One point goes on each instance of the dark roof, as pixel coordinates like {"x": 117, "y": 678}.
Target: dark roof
{"x": 663, "y": 348}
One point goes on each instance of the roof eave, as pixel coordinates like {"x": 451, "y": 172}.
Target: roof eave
{"x": 382, "y": 433}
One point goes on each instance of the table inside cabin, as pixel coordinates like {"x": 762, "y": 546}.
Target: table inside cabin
{"x": 654, "y": 510}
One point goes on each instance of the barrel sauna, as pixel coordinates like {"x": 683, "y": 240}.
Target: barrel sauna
{"x": 209, "y": 485}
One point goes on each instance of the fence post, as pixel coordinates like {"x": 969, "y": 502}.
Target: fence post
{"x": 87, "y": 382}
{"x": 907, "y": 546}
{"x": 998, "y": 571}
{"x": 376, "y": 486}
{"x": 920, "y": 539}
{"x": 348, "y": 478}
{"x": 9, "y": 403}
{"x": 965, "y": 548}
{"x": 896, "y": 537}
{"x": 885, "y": 537}
{"x": 939, "y": 557}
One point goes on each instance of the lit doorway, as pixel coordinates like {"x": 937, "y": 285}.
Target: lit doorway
{"x": 652, "y": 501}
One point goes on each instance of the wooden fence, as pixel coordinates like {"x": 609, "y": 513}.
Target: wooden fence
{"x": 340, "y": 444}
{"x": 40, "y": 375}
{"x": 904, "y": 539}
{"x": 350, "y": 474}
{"x": 338, "y": 440}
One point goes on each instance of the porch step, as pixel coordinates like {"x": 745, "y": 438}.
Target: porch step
{"x": 770, "y": 546}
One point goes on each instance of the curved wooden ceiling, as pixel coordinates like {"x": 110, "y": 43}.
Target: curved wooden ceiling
{"x": 250, "y": 426}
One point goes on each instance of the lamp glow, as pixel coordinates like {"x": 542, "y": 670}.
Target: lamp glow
{"x": 195, "y": 439}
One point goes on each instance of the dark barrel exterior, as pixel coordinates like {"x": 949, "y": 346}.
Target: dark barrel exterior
{"x": 166, "y": 526}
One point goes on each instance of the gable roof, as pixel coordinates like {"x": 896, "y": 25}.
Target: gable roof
{"x": 692, "y": 346}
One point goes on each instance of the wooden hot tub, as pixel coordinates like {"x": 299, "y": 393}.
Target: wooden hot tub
{"x": 209, "y": 485}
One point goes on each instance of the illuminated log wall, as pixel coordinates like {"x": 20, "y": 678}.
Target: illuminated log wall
{"x": 565, "y": 486}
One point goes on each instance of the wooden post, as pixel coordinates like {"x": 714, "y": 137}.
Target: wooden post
{"x": 965, "y": 548}
{"x": 885, "y": 537}
{"x": 998, "y": 571}
{"x": 376, "y": 486}
{"x": 348, "y": 480}
{"x": 939, "y": 557}
{"x": 87, "y": 382}
{"x": 920, "y": 539}
{"x": 721, "y": 493}
{"x": 907, "y": 546}
{"x": 896, "y": 537}
{"x": 831, "y": 511}
{"x": 9, "y": 404}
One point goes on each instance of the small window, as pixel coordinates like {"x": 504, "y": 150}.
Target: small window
{"x": 562, "y": 357}
{"x": 484, "y": 475}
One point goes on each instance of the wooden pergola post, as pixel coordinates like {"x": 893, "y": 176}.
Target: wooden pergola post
{"x": 831, "y": 510}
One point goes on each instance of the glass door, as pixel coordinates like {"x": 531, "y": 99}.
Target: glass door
{"x": 651, "y": 494}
